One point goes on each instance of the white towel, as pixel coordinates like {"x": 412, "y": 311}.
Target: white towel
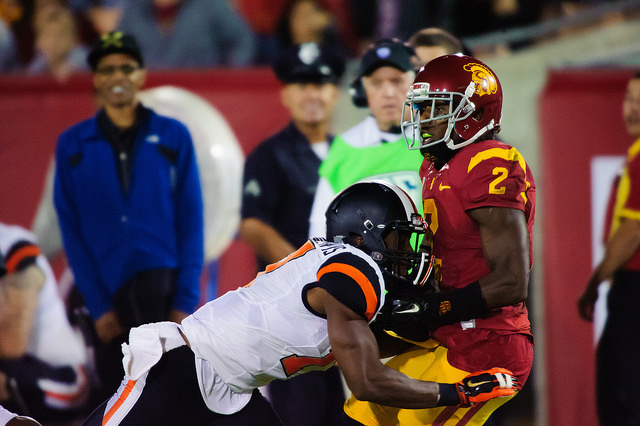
{"x": 146, "y": 345}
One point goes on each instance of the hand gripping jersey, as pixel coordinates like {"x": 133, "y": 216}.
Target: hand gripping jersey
{"x": 485, "y": 174}
{"x": 266, "y": 330}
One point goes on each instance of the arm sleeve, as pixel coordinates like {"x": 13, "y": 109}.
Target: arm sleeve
{"x": 322, "y": 199}
{"x": 352, "y": 281}
{"x": 21, "y": 255}
{"x": 190, "y": 226}
{"x": 76, "y": 248}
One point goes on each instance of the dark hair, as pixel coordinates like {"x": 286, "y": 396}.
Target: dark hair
{"x": 283, "y": 25}
{"x": 429, "y": 37}
{"x": 329, "y": 37}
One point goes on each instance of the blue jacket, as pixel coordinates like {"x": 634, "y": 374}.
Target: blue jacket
{"x": 109, "y": 234}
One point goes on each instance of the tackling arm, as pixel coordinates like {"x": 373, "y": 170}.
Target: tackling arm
{"x": 357, "y": 354}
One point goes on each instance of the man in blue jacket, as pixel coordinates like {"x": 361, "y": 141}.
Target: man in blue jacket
{"x": 129, "y": 203}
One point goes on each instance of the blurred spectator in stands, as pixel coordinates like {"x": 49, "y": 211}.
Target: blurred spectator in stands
{"x": 42, "y": 358}
{"x": 378, "y": 19}
{"x": 262, "y": 16}
{"x": 307, "y": 21}
{"x": 189, "y": 33}
{"x": 477, "y": 17}
{"x": 59, "y": 53}
{"x": 429, "y": 43}
{"x": 96, "y": 17}
{"x": 129, "y": 204}
{"x": 10, "y": 11}
{"x": 103, "y": 15}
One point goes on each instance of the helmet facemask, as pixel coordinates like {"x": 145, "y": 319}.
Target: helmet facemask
{"x": 400, "y": 256}
{"x": 451, "y": 106}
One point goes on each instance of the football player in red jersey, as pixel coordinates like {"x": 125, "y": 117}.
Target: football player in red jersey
{"x": 479, "y": 202}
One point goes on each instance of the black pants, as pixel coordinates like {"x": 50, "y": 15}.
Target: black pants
{"x": 312, "y": 399}
{"x": 172, "y": 397}
{"x": 144, "y": 299}
{"x": 618, "y": 354}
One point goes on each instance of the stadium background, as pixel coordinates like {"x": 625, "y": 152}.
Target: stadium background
{"x": 561, "y": 111}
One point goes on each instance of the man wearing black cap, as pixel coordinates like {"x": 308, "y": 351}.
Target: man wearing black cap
{"x": 129, "y": 204}
{"x": 280, "y": 178}
{"x": 374, "y": 148}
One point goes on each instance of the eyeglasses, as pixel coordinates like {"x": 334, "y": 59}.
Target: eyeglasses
{"x": 126, "y": 69}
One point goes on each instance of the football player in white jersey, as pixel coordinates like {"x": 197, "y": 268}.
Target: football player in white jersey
{"x": 309, "y": 311}
{"x": 42, "y": 358}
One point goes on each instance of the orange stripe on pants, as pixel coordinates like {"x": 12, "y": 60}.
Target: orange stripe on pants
{"x": 121, "y": 399}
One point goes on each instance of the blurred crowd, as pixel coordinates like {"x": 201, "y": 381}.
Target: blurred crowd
{"x": 52, "y": 36}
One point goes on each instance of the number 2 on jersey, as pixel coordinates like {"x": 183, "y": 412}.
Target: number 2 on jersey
{"x": 502, "y": 175}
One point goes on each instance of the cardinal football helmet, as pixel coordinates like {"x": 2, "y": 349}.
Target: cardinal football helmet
{"x": 373, "y": 210}
{"x": 457, "y": 88}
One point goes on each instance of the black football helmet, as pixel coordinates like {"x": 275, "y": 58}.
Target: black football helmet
{"x": 373, "y": 210}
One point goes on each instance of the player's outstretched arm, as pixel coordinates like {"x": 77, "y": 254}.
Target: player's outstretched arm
{"x": 357, "y": 354}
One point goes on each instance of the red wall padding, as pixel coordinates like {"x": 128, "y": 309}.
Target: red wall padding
{"x": 580, "y": 117}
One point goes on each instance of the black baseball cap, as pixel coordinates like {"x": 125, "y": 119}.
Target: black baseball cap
{"x": 114, "y": 42}
{"x": 386, "y": 52}
{"x": 309, "y": 63}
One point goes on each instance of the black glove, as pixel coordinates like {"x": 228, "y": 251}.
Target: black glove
{"x": 405, "y": 314}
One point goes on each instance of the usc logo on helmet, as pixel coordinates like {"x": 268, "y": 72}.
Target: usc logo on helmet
{"x": 483, "y": 77}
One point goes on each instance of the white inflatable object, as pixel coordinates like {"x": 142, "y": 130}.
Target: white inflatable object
{"x": 220, "y": 161}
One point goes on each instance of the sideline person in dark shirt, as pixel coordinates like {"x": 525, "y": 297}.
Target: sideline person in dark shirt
{"x": 280, "y": 179}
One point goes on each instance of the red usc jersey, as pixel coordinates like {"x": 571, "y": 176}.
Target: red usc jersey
{"x": 484, "y": 174}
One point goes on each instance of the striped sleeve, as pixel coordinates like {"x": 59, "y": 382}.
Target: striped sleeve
{"x": 352, "y": 281}
{"x": 21, "y": 255}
